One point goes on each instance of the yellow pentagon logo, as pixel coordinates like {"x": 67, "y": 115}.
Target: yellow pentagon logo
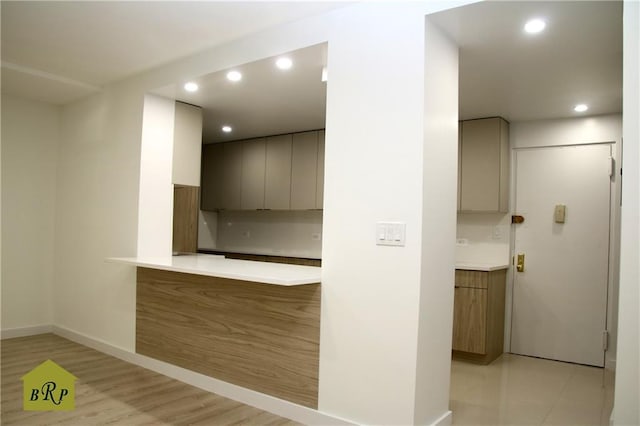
{"x": 48, "y": 387}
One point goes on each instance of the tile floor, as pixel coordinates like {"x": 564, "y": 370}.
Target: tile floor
{"x": 518, "y": 390}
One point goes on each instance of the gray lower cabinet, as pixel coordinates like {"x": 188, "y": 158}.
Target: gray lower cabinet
{"x": 478, "y": 315}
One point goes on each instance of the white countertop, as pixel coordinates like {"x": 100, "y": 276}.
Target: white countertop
{"x": 488, "y": 267}
{"x": 219, "y": 266}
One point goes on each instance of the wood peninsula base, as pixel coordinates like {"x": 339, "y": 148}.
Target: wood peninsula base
{"x": 260, "y": 336}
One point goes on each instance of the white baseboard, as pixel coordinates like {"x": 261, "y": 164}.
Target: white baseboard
{"x": 259, "y": 400}
{"x": 445, "y": 420}
{"x": 10, "y": 333}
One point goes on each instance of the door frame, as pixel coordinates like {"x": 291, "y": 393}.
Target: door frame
{"x": 614, "y": 243}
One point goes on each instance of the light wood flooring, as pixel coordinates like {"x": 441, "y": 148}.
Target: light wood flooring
{"x": 111, "y": 391}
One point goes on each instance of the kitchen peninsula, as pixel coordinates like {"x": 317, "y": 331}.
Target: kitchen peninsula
{"x": 253, "y": 324}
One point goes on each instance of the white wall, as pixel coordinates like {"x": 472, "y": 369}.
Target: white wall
{"x": 486, "y": 235}
{"x": 569, "y": 131}
{"x": 30, "y": 135}
{"x": 627, "y": 392}
{"x": 155, "y": 202}
{"x": 277, "y": 233}
{"x": 373, "y": 172}
{"x": 573, "y": 131}
{"x": 97, "y": 216}
{"x": 439, "y": 201}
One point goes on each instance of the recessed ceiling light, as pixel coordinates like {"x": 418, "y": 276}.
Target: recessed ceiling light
{"x": 534, "y": 26}
{"x": 191, "y": 87}
{"x": 580, "y": 108}
{"x": 234, "y": 76}
{"x": 284, "y": 63}
{"x": 227, "y": 129}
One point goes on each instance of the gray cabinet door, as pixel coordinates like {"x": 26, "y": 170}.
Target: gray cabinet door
{"x": 187, "y": 145}
{"x": 232, "y": 175}
{"x": 212, "y": 176}
{"x": 304, "y": 171}
{"x": 484, "y": 165}
{"x": 253, "y": 173}
{"x": 277, "y": 185}
{"x": 221, "y": 174}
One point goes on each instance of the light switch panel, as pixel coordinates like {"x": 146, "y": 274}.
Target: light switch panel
{"x": 390, "y": 233}
{"x": 559, "y": 213}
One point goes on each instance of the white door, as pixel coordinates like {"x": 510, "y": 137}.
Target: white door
{"x": 560, "y": 299}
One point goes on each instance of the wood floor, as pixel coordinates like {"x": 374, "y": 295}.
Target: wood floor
{"x": 111, "y": 391}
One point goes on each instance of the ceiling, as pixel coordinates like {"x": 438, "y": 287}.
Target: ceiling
{"x": 505, "y": 72}
{"x": 267, "y": 101}
{"x": 58, "y": 52}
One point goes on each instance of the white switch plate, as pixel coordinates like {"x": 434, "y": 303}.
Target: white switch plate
{"x": 390, "y": 233}
{"x": 497, "y": 233}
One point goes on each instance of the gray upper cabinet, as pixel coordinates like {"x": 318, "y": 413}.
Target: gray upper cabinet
{"x": 276, "y": 173}
{"x": 253, "y": 174}
{"x": 187, "y": 144}
{"x": 303, "y": 171}
{"x": 277, "y": 185}
{"x": 212, "y": 161}
{"x": 484, "y": 166}
{"x": 221, "y": 176}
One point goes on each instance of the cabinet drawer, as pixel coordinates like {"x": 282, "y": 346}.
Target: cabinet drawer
{"x": 471, "y": 279}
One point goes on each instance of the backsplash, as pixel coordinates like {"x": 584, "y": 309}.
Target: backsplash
{"x": 483, "y": 237}
{"x": 270, "y": 232}
{"x": 207, "y": 229}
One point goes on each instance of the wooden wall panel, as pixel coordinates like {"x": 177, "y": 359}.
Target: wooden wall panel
{"x": 185, "y": 218}
{"x": 259, "y": 336}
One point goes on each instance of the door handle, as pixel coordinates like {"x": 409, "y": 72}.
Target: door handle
{"x": 520, "y": 262}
